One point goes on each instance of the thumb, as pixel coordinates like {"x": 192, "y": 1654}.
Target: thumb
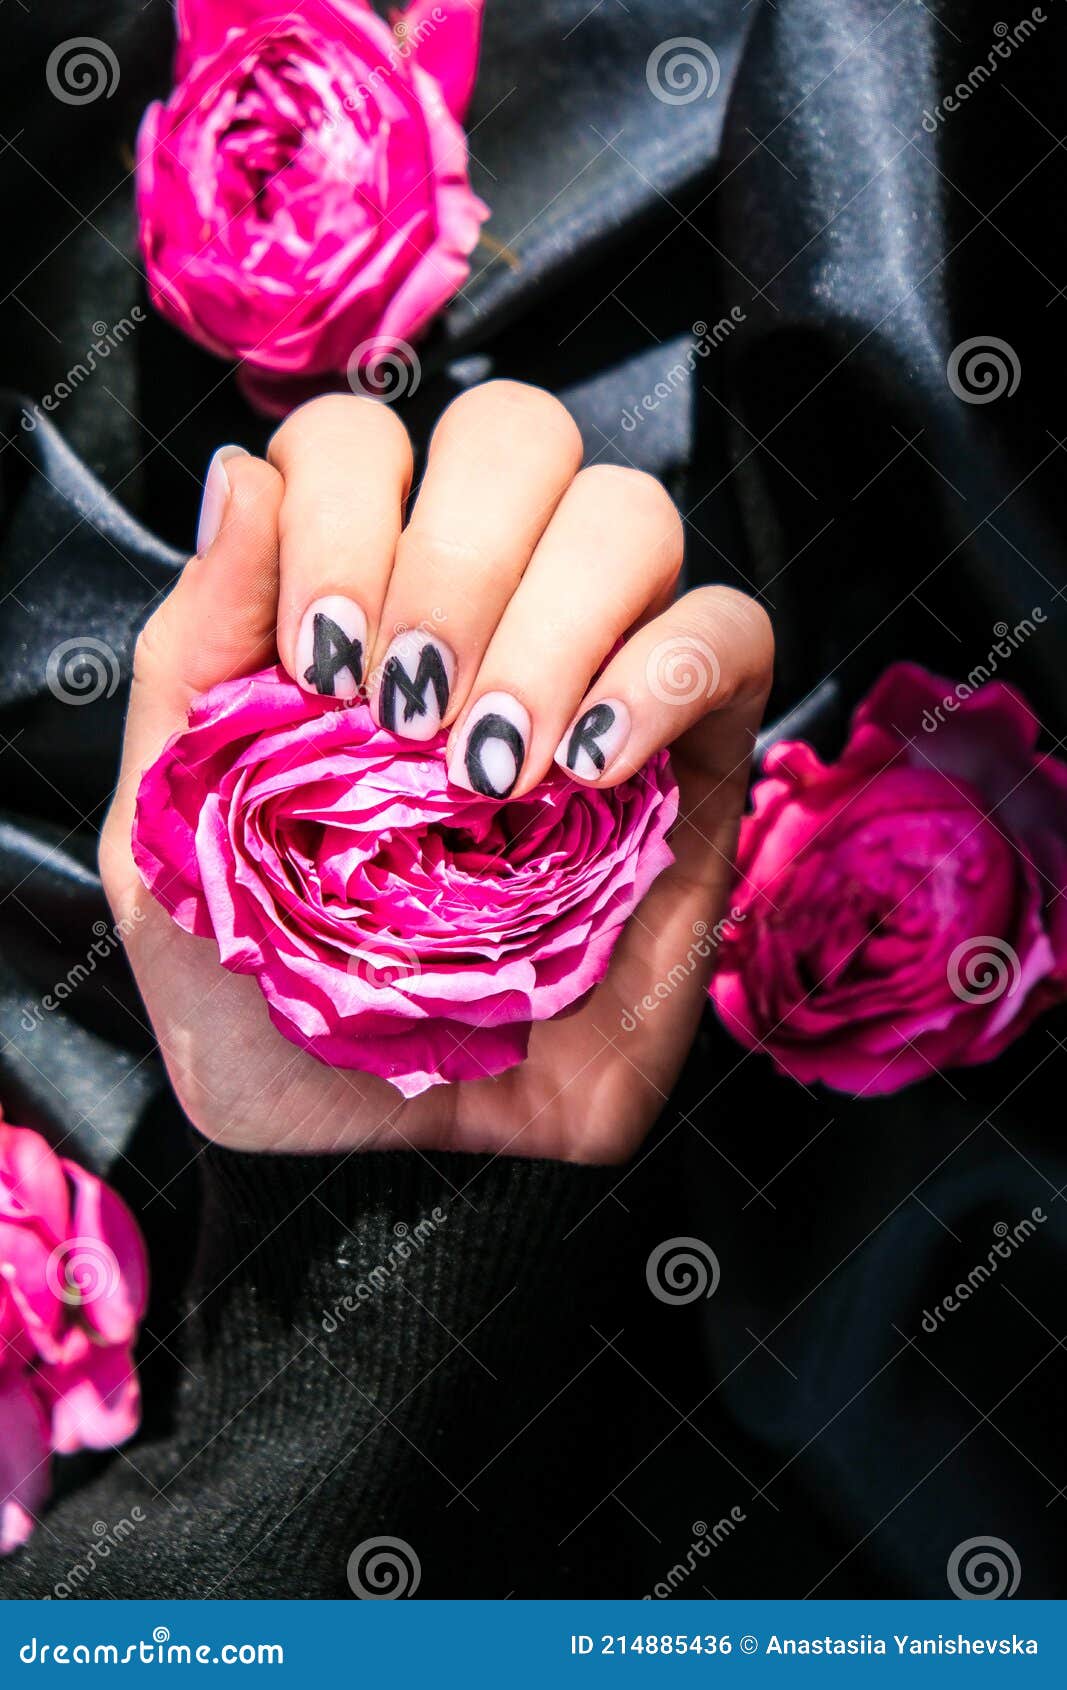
{"x": 218, "y": 622}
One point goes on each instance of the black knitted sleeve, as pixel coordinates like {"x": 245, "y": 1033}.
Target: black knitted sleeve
{"x": 364, "y": 1348}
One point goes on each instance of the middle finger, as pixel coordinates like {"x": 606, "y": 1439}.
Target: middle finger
{"x": 500, "y": 459}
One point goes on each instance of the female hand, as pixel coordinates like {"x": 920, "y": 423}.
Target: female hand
{"x": 516, "y": 576}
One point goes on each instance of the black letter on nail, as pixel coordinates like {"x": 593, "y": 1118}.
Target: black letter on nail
{"x": 488, "y": 727}
{"x": 587, "y": 731}
{"x": 430, "y": 673}
{"x": 333, "y": 651}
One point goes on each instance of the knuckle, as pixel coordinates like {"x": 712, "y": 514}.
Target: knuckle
{"x": 516, "y": 406}
{"x": 435, "y": 562}
{"x": 733, "y": 619}
{"x": 112, "y": 852}
{"x": 646, "y": 501}
{"x": 335, "y": 413}
{"x": 150, "y": 648}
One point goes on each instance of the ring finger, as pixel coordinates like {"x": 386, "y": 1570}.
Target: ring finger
{"x": 609, "y": 558}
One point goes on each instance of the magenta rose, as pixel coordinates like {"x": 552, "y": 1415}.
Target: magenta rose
{"x": 73, "y": 1281}
{"x": 303, "y": 193}
{"x": 395, "y": 923}
{"x": 901, "y": 910}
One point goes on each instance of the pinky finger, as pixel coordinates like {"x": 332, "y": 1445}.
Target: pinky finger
{"x": 697, "y": 674}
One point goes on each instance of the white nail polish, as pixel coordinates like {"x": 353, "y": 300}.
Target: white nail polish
{"x": 214, "y": 497}
{"x": 593, "y": 742}
{"x": 414, "y": 685}
{"x": 492, "y": 747}
{"x": 331, "y": 646}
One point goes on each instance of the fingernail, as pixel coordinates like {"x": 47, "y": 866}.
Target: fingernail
{"x": 492, "y": 748}
{"x": 414, "y": 685}
{"x": 330, "y": 647}
{"x": 595, "y": 739}
{"x": 216, "y": 492}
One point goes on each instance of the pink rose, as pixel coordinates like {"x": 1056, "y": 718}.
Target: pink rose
{"x": 394, "y": 923}
{"x": 73, "y": 1282}
{"x": 899, "y": 911}
{"x": 303, "y": 193}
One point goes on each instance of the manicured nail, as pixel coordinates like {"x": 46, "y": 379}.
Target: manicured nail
{"x": 595, "y": 739}
{"x": 216, "y": 492}
{"x": 491, "y": 750}
{"x": 414, "y": 685}
{"x": 330, "y": 647}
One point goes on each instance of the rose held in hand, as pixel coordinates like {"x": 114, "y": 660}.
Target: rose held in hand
{"x": 902, "y": 909}
{"x": 303, "y": 193}
{"x": 394, "y": 922}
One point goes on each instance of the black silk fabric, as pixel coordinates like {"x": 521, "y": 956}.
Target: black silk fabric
{"x": 847, "y": 231}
